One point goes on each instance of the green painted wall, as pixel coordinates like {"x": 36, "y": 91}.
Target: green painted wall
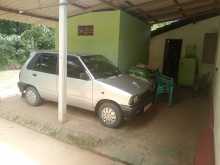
{"x": 117, "y": 35}
{"x": 133, "y": 41}
{"x": 106, "y": 34}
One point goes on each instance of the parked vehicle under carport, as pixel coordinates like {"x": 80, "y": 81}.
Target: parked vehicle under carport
{"x": 93, "y": 83}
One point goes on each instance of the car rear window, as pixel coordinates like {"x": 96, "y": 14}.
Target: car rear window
{"x": 44, "y": 62}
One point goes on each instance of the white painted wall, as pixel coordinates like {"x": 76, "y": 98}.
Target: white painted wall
{"x": 192, "y": 34}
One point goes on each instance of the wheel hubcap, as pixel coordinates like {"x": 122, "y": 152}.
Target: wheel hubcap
{"x": 31, "y": 97}
{"x": 108, "y": 115}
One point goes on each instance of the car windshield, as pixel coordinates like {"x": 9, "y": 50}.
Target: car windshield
{"x": 100, "y": 67}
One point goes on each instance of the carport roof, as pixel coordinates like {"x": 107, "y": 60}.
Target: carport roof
{"x": 152, "y": 11}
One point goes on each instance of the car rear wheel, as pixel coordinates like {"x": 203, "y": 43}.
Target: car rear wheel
{"x": 32, "y": 96}
{"x": 110, "y": 115}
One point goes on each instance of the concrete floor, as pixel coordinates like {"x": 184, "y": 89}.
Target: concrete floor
{"x": 22, "y": 146}
{"x": 163, "y": 135}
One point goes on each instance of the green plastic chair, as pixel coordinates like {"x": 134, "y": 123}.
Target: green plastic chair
{"x": 164, "y": 84}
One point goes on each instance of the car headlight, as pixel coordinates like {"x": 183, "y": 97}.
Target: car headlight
{"x": 133, "y": 100}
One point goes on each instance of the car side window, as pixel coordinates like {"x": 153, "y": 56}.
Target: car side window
{"x": 75, "y": 69}
{"x": 44, "y": 62}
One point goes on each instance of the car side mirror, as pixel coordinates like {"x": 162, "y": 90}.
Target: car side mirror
{"x": 84, "y": 76}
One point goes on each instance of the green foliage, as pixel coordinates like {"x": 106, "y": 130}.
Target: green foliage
{"x": 39, "y": 37}
{"x": 15, "y": 48}
{"x": 11, "y": 27}
{"x": 6, "y": 51}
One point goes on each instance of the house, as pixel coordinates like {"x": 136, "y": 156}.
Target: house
{"x": 119, "y": 31}
{"x": 117, "y": 35}
{"x": 192, "y": 34}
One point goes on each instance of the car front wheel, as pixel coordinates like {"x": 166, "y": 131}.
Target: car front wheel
{"x": 110, "y": 115}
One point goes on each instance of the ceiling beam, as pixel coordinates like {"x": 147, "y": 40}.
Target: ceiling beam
{"x": 183, "y": 22}
{"x": 146, "y": 3}
{"x": 171, "y": 7}
{"x": 143, "y": 14}
{"x": 110, "y": 3}
{"x": 215, "y": 3}
{"x": 78, "y": 5}
{"x": 194, "y": 11}
{"x": 147, "y": 16}
{"x": 21, "y": 12}
{"x": 179, "y": 7}
{"x": 166, "y": 9}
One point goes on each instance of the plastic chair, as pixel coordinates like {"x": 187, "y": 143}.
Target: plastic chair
{"x": 164, "y": 84}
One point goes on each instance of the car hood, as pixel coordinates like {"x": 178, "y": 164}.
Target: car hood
{"x": 128, "y": 84}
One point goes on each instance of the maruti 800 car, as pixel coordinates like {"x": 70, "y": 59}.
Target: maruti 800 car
{"x": 93, "y": 83}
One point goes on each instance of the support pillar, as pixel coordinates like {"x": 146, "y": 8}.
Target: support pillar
{"x": 62, "y": 60}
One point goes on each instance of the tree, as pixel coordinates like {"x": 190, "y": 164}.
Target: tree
{"x": 39, "y": 37}
{"x": 11, "y": 27}
{"x": 15, "y": 45}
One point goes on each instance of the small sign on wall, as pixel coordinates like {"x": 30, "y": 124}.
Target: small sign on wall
{"x": 85, "y": 30}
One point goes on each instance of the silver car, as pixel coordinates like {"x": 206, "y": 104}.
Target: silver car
{"x": 93, "y": 83}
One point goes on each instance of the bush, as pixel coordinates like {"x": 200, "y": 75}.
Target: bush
{"x": 15, "y": 49}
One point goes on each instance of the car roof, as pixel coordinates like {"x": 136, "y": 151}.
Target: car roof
{"x": 56, "y": 52}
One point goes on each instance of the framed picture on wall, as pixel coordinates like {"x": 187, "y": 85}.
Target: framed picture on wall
{"x": 85, "y": 30}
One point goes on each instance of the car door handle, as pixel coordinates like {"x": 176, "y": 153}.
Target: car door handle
{"x": 34, "y": 74}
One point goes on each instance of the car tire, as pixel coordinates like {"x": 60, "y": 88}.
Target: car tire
{"x": 32, "y": 96}
{"x": 110, "y": 115}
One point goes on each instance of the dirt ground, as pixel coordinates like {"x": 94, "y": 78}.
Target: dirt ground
{"x": 162, "y": 136}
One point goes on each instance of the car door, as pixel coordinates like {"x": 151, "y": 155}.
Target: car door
{"x": 42, "y": 72}
{"x": 79, "y": 84}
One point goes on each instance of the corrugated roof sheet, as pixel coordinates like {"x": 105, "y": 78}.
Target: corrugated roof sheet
{"x": 152, "y": 11}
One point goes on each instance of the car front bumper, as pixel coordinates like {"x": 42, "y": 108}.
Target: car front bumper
{"x": 21, "y": 86}
{"x": 130, "y": 111}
